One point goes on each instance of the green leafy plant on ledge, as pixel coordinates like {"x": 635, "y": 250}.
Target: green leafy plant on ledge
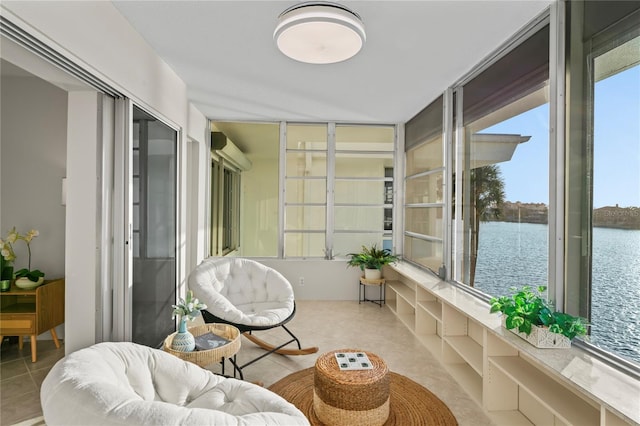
{"x": 371, "y": 258}
{"x": 526, "y": 307}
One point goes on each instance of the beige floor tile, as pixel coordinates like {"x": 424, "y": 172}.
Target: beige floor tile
{"x": 329, "y": 325}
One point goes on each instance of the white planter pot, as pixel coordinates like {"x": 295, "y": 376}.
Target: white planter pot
{"x": 372, "y": 274}
{"x": 26, "y": 284}
{"x": 541, "y": 337}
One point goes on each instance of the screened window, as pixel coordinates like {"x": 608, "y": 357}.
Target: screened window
{"x": 603, "y": 229}
{"x": 225, "y": 208}
{"x": 305, "y": 211}
{"x": 230, "y": 210}
{"x": 424, "y": 184}
{"x": 501, "y": 207}
{"x": 363, "y": 194}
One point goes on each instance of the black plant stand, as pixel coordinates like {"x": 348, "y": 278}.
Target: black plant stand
{"x": 362, "y": 293}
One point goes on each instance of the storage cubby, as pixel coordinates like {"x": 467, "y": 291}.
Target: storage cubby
{"x": 559, "y": 401}
{"x": 514, "y": 382}
{"x": 403, "y": 304}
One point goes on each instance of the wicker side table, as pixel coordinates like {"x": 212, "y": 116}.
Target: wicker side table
{"x": 210, "y": 356}
{"x": 350, "y": 397}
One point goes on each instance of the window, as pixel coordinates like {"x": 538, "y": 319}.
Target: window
{"x": 225, "y": 208}
{"x": 250, "y": 152}
{"x": 305, "y": 211}
{"x": 230, "y": 210}
{"x": 424, "y": 183}
{"x": 502, "y": 177}
{"x": 363, "y": 194}
{"x": 603, "y": 229}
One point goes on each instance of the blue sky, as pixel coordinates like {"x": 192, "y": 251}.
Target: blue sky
{"x": 616, "y": 146}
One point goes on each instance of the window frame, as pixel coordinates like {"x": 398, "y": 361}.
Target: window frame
{"x": 458, "y": 235}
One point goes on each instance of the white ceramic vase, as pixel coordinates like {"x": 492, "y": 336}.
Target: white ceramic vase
{"x": 183, "y": 341}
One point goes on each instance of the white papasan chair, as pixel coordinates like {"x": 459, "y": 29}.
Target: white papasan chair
{"x": 247, "y": 295}
{"x": 129, "y": 384}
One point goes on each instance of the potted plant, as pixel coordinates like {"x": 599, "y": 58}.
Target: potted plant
{"x": 25, "y": 277}
{"x": 370, "y": 260}
{"x": 528, "y": 314}
{"x": 7, "y": 255}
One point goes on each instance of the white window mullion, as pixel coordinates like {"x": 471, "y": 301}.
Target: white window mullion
{"x": 331, "y": 176}
{"x": 458, "y": 223}
{"x": 281, "y": 187}
{"x": 399, "y": 191}
{"x": 556, "y": 154}
{"x": 448, "y": 152}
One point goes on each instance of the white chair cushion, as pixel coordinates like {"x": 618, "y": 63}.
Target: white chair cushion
{"x": 242, "y": 291}
{"x": 129, "y": 384}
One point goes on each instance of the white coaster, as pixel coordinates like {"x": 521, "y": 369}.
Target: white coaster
{"x": 353, "y": 361}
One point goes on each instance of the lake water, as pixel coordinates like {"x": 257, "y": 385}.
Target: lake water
{"x": 515, "y": 254}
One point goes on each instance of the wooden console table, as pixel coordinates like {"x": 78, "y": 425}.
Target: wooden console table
{"x": 32, "y": 312}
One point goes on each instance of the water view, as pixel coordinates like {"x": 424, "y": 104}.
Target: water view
{"x": 515, "y": 254}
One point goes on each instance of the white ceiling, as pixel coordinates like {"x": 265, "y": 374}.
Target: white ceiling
{"x": 225, "y": 53}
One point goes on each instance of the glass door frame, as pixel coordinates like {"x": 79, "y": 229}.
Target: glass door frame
{"x": 123, "y": 217}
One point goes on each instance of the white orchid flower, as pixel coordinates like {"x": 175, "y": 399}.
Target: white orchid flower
{"x": 13, "y": 236}
{"x": 31, "y": 235}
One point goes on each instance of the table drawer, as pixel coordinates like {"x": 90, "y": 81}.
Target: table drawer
{"x": 18, "y": 323}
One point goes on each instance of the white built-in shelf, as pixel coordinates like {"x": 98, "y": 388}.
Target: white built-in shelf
{"x": 524, "y": 385}
{"x": 468, "y": 349}
{"x": 468, "y": 379}
{"x": 433, "y": 342}
{"x": 509, "y": 418}
{"x": 563, "y": 403}
{"x": 433, "y": 308}
{"x": 408, "y": 320}
{"x": 403, "y": 291}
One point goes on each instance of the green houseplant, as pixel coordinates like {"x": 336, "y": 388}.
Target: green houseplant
{"x": 527, "y": 311}
{"x": 371, "y": 259}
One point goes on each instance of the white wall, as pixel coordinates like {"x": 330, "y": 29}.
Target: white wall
{"x": 33, "y": 147}
{"x": 82, "y": 252}
{"x": 98, "y": 37}
{"x": 95, "y": 36}
{"x": 198, "y": 199}
{"x": 33, "y": 152}
{"x": 323, "y": 279}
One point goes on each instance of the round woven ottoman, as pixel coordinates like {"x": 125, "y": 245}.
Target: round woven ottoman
{"x": 344, "y": 397}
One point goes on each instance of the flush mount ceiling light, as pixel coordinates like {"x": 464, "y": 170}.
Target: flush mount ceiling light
{"x": 319, "y": 32}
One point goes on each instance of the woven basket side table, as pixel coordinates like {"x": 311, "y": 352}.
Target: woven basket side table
{"x": 209, "y": 356}
{"x": 342, "y": 397}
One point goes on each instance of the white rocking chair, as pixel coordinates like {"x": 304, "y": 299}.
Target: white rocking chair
{"x": 249, "y": 296}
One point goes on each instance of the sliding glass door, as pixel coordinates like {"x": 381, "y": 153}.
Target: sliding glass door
{"x": 153, "y": 236}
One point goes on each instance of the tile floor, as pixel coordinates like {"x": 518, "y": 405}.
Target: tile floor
{"x": 20, "y": 379}
{"x": 329, "y": 325}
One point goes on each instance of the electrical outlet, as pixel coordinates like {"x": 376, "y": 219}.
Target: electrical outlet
{"x": 301, "y": 281}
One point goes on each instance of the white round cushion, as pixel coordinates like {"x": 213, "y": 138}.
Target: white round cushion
{"x": 242, "y": 291}
{"x": 129, "y": 384}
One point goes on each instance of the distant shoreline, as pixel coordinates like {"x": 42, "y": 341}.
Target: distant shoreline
{"x": 604, "y": 217}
